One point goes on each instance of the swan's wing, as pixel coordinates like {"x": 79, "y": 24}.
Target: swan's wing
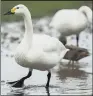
{"x": 47, "y": 43}
{"x": 55, "y": 47}
{"x": 46, "y": 49}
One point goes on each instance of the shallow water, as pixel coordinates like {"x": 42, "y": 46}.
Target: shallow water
{"x": 64, "y": 80}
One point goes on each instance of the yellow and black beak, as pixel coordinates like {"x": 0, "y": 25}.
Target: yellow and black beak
{"x": 12, "y": 11}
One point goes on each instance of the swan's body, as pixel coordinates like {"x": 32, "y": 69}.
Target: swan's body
{"x": 39, "y": 51}
{"x": 71, "y": 21}
{"x": 45, "y": 52}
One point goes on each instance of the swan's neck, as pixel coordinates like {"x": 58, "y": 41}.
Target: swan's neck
{"x": 87, "y": 12}
{"x": 28, "y": 23}
{"x": 28, "y": 29}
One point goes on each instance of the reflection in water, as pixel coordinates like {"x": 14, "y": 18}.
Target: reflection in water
{"x": 75, "y": 73}
{"x": 20, "y": 92}
{"x": 28, "y": 90}
{"x": 17, "y": 94}
{"x": 47, "y": 91}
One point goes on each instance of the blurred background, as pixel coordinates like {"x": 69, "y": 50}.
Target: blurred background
{"x": 42, "y": 8}
{"x": 64, "y": 81}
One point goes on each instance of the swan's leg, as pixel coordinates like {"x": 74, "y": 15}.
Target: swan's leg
{"x": 77, "y": 38}
{"x": 47, "y": 91}
{"x": 48, "y": 76}
{"x": 69, "y": 63}
{"x": 20, "y": 82}
{"x": 72, "y": 64}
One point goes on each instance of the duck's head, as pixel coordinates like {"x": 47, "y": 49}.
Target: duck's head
{"x": 18, "y": 9}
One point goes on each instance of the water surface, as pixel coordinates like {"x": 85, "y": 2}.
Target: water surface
{"x": 64, "y": 80}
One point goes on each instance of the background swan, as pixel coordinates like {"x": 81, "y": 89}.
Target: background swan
{"x": 71, "y": 21}
{"x": 36, "y": 51}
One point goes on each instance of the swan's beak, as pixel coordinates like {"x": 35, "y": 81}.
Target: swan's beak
{"x": 8, "y": 13}
{"x": 12, "y": 11}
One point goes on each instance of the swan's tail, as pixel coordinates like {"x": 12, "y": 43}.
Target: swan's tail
{"x": 57, "y": 67}
{"x": 63, "y": 53}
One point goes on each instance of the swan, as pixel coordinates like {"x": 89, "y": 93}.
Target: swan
{"x": 36, "y": 51}
{"x": 71, "y": 21}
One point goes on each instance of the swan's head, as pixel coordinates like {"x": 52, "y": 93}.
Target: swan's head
{"x": 18, "y": 9}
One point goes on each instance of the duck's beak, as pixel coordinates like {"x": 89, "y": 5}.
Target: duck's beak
{"x": 8, "y": 13}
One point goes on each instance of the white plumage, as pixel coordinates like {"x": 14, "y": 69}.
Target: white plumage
{"x": 36, "y": 51}
{"x": 71, "y": 21}
{"x": 44, "y": 53}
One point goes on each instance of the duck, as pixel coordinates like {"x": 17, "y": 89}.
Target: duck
{"x": 67, "y": 22}
{"x": 35, "y": 51}
{"x": 75, "y": 54}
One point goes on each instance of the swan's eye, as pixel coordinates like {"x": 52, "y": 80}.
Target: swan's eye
{"x": 17, "y": 7}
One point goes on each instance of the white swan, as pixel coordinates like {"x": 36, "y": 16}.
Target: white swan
{"x": 71, "y": 21}
{"x": 36, "y": 51}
